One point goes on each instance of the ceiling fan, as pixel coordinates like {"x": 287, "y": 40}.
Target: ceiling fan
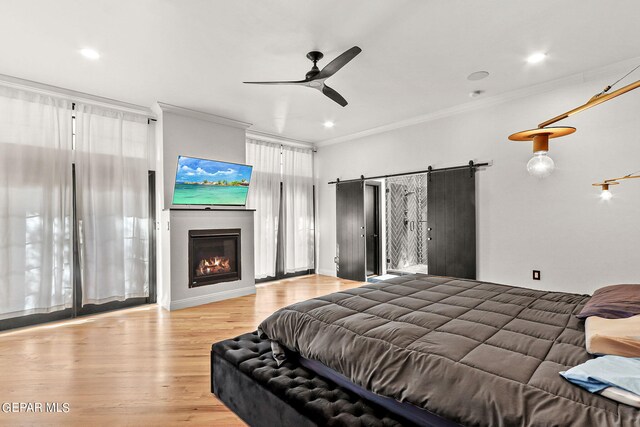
{"x": 315, "y": 77}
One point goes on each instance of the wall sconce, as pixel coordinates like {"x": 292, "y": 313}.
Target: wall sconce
{"x": 541, "y": 165}
{"x": 606, "y": 194}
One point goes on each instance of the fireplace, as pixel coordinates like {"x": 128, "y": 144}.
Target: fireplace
{"x": 214, "y": 256}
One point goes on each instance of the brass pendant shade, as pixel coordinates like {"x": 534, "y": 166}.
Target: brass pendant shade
{"x": 614, "y": 181}
{"x": 605, "y": 185}
{"x": 541, "y": 137}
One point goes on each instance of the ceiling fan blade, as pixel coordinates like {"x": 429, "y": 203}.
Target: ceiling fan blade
{"x": 334, "y": 95}
{"x": 332, "y": 67}
{"x": 297, "y": 82}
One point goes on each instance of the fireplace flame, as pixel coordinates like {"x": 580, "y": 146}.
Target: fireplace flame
{"x": 213, "y": 265}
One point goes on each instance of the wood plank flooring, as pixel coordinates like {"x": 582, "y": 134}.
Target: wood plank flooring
{"x": 142, "y": 366}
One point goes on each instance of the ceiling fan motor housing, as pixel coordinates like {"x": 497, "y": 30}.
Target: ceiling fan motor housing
{"x": 315, "y": 56}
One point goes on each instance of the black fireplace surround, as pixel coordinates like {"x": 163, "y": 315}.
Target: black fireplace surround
{"x": 214, "y": 256}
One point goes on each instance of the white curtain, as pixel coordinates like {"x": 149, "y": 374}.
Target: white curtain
{"x": 112, "y": 154}
{"x": 297, "y": 193}
{"x": 35, "y": 203}
{"x": 264, "y": 197}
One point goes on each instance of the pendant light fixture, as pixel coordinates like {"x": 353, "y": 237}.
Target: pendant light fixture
{"x": 605, "y": 193}
{"x": 541, "y": 165}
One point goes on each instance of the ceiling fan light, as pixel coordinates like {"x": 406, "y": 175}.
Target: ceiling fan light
{"x": 540, "y": 165}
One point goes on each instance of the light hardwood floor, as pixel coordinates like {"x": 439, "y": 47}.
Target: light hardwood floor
{"x": 141, "y": 366}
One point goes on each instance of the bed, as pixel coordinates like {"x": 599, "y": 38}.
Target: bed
{"x": 466, "y": 352}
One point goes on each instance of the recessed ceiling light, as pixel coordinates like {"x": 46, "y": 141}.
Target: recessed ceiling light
{"x": 89, "y": 53}
{"x": 478, "y": 75}
{"x": 536, "y": 57}
{"x": 329, "y": 124}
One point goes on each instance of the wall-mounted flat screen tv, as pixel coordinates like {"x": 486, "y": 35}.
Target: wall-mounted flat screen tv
{"x": 209, "y": 182}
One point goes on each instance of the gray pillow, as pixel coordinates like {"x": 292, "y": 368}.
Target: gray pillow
{"x": 613, "y": 302}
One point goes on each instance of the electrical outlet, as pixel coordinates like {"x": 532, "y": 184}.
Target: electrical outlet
{"x": 536, "y": 274}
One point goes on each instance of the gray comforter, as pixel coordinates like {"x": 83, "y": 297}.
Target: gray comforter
{"x": 475, "y": 353}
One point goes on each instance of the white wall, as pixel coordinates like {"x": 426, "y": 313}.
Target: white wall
{"x": 557, "y": 225}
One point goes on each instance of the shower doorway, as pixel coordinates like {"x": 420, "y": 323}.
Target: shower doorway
{"x": 406, "y": 224}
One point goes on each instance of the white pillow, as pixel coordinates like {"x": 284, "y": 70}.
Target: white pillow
{"x": 622, "y": 396}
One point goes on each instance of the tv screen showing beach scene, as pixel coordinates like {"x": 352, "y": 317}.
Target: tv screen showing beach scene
{"x": 209, "y": 182}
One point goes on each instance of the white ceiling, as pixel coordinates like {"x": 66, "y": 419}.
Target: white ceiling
{"x": 415, "y": 60}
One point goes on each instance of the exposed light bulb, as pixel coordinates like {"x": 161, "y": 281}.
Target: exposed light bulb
{"x": 606, "y": 195}
{"x": 329, "y": 124}
{"x": 540, "y": 165}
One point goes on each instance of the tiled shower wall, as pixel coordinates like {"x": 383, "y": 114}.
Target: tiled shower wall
{"x": 406, "y": 216}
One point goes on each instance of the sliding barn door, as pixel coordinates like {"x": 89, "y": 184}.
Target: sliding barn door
{"x": 451, "y": 221}
{"x": 350, "y": 227}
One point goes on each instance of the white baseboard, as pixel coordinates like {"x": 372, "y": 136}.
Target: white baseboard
{"x": 327, "y": 272}
{"x": 206, "y": 299}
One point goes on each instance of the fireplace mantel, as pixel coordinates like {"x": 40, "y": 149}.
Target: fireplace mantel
{"x": 179, "y": 292}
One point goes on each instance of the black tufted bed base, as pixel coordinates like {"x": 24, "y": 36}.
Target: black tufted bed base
{"x": 245, "y": 377}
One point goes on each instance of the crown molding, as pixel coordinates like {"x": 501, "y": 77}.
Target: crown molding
{"x": 263, "y": 136}
{"x": 74, "y": 96}
{"x": 537, "y": 89}
{"x": 187, "y": 112}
